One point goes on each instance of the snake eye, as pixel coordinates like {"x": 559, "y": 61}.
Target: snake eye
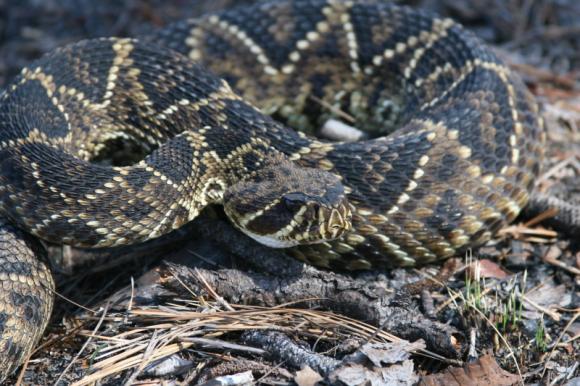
{"x": 293, "y": 201}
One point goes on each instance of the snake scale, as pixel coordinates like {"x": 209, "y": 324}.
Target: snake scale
{"x": 455, "y": 142}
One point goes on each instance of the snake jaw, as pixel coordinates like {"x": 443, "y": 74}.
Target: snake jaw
{"x": 311, "y": 224}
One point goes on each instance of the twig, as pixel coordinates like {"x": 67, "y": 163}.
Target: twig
{"x": 74, "y": 303}
{"x": 571, "y": 160}
{"x": 505, "y": 342}
{"x": 542, "y": 75}
{"x": 544, "y": 310}
{"x": 333, "y": 109}
{"x": 193, "y": 294}
{"x": 553, "y": 261}
{"x": 145, "y": 361}
{"x": 541, "y": 217}
{"x": 472, "y": 353}
{"x": 76, "y": 357}
{"x": 23, "y": 370}
{"x": 222, "y": 345}
{"x": 570, "y": 323}
{"x": 212, "y": 292}
{"x": 547, "y": 33}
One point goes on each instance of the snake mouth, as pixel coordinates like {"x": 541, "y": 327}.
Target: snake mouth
{"x": 311, "y": 225}
{"x": 318, "y": 224}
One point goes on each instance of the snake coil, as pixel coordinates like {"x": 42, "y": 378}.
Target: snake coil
{"x": 455, "y": 142}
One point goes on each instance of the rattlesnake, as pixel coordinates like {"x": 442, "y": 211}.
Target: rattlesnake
{"x": 459, "y": 165}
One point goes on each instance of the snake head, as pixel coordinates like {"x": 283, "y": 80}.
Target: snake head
{"x": 284, "y": 205}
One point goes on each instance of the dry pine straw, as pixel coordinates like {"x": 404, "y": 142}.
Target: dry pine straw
{"x": 163, "y": 331}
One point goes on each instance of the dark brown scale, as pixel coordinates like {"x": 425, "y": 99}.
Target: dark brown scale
{"x": 460, "y": 165}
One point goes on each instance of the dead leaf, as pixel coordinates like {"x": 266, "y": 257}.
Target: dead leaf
{"x": 487, "y": 269}
{"x": 357, "y": 374}
{"x": 550, "y": 296}
{"x": 379, "y": 364}
{"x": 389, "y": 353}
{"x": 307, "y": 377}
{"x": 484, "y": 372}
{"x": 573, "y": 382}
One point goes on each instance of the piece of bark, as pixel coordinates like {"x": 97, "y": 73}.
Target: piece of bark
{"x": 245, "y": 378}
{"x": 283, "y": 349}
{"x": 380, "y": 300}
{"x": 221, "y": 368}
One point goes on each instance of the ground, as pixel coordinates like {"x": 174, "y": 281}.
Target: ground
{"x": 154, "y": 318}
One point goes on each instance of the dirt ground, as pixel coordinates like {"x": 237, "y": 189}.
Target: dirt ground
{"x": 508, "y": 314}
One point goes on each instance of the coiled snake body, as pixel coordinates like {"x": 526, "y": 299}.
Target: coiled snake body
{"x": 459, "y": 166}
